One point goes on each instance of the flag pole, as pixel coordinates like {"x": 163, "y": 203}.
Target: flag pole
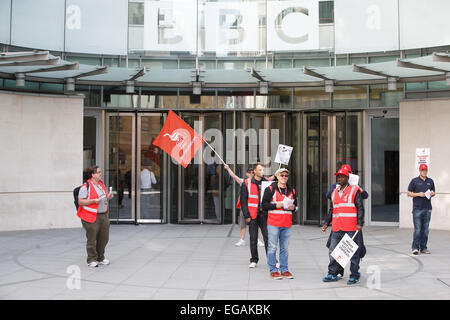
{"x": 214, "y": 151}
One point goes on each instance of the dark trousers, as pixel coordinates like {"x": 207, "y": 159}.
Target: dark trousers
{"x": 334, "y": 267}
{"x": 97, "y": 234}
{"x": 261, "y": 222}
{"x": 421, "y": 218}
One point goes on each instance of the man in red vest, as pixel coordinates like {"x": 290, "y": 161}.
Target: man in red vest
{"x": 279, "y": 222}
{"x": 250, "y": 205}
{"x": 346, "y": 215}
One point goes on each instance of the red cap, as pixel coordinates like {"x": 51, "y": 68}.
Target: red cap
{"x": 423, "y": 166}
{"x": 347, "y": 167}
{"x": 342, "y": 171}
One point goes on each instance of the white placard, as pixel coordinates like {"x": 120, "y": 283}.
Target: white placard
{"x": 353, "y": 180}
{"x": 345, "y": 250}
{"x": 292, "y": 25}
{"x": 422, "y": 157}
{"x": 283, "y": 154}
{"x": 264, "y": 185}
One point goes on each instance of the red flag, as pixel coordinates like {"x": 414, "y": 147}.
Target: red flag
{"x": 179, "y": 140}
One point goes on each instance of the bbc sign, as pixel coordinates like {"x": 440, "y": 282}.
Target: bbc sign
{"x": 231, "y": 26}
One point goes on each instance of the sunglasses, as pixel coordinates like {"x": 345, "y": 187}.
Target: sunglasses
{"x": 284, "y": 175}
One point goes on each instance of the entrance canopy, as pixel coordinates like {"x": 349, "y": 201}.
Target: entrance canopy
{"x": 40, "y": 66}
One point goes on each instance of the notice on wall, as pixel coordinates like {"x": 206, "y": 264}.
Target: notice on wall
{"x": 283, "y": 154}
{"x": 422, "y": 157}
{"x": 345, "y": 250}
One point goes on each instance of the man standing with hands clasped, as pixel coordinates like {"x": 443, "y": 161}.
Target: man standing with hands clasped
{"x": 280, "y": 202}
{"x": 346, "y": 215}
{"x": 421, "y": 189}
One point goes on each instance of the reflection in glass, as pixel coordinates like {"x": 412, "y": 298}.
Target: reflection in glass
{"x": 151, "y": 168}
{"x": 119, "y": 166}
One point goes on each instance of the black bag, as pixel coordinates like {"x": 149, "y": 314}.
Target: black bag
{"x": 76, "y": 191}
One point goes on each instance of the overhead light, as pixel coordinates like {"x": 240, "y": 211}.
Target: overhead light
{"x": 20, "y": 79}
{"x": 197, "y": 87}
{"x": 70, "y": 84}
{"x": 447, "y": 78}
{"x": 263, "y": 87}
{"x": 329, "y": 86}
{"x": 130, "y": 86}
{"x": 392, "y": 84}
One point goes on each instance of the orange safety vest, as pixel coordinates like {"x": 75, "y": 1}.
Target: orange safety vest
{"x": 253, "y": 199}
{"x": 280, "y": 217}
{"x": 344, "y": 209}
{"x": 89, "y": 213}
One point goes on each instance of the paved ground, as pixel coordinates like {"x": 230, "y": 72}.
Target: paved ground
{"x": 201, "y": 262}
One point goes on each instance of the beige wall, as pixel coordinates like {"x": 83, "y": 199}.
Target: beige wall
{"x": 426, "y": 124}
{"x": 41, "y": 138}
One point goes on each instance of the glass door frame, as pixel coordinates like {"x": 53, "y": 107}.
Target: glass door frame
{"x": 201, "y": 176}
{"x": 330, "y": 162}
{"x": 368, "y": 116}
{"x": 133, "y": 161}
{"x": 163, "y": 177}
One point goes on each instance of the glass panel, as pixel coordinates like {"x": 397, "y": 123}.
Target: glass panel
{"x": 136, "y": 13}
{"x": 326, "y": 11}
{"x": 353, "y": 142}
{"x": 197, "y": 101}
{"x": 276, "y": 135}
{"x": 350, "y": 96}
{"x": 228, "y": 182}
{"x": 151, "y": 169}
{"x": 229, "y": 65}
{"x": 340, "y": 141}
{"x": 313, "y": 166}
{"x": 89, "y": 142}
{"x": 385, "y": 169}
{"x": 380, "y": 96}
{"x": 299, "y": 63}
{"x": 311, "y": 98}
{"x": 255, "y": 144}
{"x": 295, "y": 164}
{"x": 286, "y": 63}
{"x": 213, "y": 168}
{"x": 277, "y": 98}
{"x": 324, "y": 165}
{"x": 160, "y": 64}
{"x": 119, "y": 166}
{"x": 190, "y": 182}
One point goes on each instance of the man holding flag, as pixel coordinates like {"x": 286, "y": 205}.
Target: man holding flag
{"x": 347, "y": 216}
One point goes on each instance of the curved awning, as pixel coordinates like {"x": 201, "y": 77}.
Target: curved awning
{"x": 40, "y": 66}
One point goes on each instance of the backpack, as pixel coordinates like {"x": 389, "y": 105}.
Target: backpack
{"x": 76, "y": 191}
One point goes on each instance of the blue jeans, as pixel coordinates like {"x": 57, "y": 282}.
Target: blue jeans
{"x": 334, "y": 266}
{"x": 421, "y": 219}
{"x": 282, "y": 235}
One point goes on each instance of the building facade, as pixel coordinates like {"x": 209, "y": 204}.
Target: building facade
{"x": 219, "y": 45}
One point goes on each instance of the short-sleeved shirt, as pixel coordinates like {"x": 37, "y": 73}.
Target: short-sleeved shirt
{"x": 102, "y": 206}
{"x": 419, "y": 185}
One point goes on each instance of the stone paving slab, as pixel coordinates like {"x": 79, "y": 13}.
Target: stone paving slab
{"x": 200, "y": 262}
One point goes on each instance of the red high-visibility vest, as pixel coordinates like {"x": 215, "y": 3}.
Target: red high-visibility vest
{"x": 280, "y": 217}
{"x": 344, "y": 209}
{"x": 89, "y": 213}
{"x": 253, "y": 199}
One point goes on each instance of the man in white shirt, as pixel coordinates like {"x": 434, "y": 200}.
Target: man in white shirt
{"x": 147, "y": 178}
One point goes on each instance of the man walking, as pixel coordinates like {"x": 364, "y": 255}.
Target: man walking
{"x": 421, "y": 189}
{"x": 279, "y": 222}
{"x": 346, "y": 215}
{"x": 251, "y": 209}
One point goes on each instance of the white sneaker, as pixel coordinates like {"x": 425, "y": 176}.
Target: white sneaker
{"x": 93, "y": 264}
{"x": 260, "y": 243}
{"x": 240, "y": 243}
{"x": 252, "y": 265}
{"x": 105, "y": 262}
